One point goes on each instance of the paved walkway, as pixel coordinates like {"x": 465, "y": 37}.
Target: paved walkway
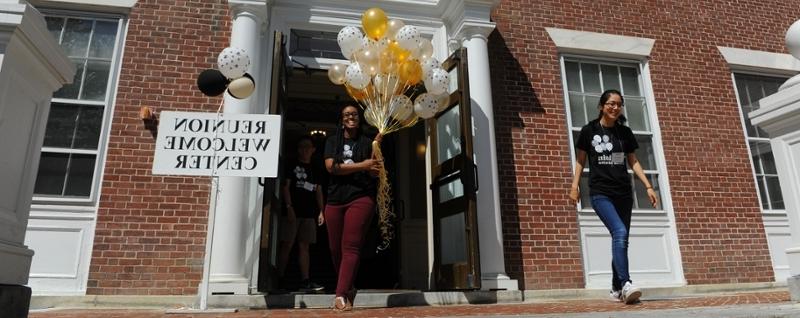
{"x": 761, "y": 304}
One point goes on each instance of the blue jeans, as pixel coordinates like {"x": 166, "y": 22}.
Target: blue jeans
{"x": 615, "y": 212}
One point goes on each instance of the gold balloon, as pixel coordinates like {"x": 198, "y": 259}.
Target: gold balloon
{"x": 369, "y": 60}
{"x": 357, "y": 94}
{"x": 410, "y": 72}
{"x": 374, "y": 22}
{"x": 336, "y": 73}
{"x": 387, "y": 62}
{"x": 400, "y": 54}
{"x": 392, "y": 27}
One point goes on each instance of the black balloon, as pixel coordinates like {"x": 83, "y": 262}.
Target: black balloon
{"x": 212, "y": 82}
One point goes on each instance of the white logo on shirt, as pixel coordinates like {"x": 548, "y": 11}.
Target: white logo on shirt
{"x": 602, "y": 144}
{"x": 347, "y": 154}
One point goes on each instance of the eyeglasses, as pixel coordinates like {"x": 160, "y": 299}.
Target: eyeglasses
{"x": 350, "y": 114}
{"x": 613, "y": 105}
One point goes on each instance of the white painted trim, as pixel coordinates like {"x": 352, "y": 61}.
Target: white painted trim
{"x": 113, "y": 6}
{"x": 759, "y": 61}
{"x": 600, "y": 44}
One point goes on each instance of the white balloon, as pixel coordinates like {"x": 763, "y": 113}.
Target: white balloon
{"x": 386, "y": 84}
{"x": 443, "y": 100}
{"x": 233, "y": 62}
{"x": 426, "y": 105}
{"x": 401, "y": 107}
{"x": 437, "y": 82}
{"x": 425, "y": 49}
{"x": 350, "y": 40}
{"x": 356, "y": 77}
{"x": 408, "y": 38}
{"x": 429, "y": 64}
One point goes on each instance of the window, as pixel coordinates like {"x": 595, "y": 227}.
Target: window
{"x": 750, "y": 89}
{"x": 309, "y": 43}
{"x": 70, "y": 149}
{"x": 586, "y": 81}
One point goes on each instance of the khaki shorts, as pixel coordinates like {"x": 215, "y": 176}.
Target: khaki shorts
{"x": 303, "y": 230}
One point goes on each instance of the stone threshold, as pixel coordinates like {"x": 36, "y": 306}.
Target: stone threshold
{"x": 380, "y": 298}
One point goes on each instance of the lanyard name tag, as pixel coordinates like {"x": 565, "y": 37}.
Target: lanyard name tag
{"x": 617, "y": 158}
{"x": 309, "y": 186}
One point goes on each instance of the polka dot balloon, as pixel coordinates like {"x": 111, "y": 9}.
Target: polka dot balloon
{"x": 350, "y": 40}
{"x": 437, "y": 81}
{"x": 426, "y": 105}
{"x": 408, "y": 38}
{"x": 233, "y": 62}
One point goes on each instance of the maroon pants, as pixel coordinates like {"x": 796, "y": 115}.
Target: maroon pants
{"x": 347, "y": 224}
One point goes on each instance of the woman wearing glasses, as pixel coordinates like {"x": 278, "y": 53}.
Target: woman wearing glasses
{"x": 351, "y": 199}
{"x": 609, "y": 145}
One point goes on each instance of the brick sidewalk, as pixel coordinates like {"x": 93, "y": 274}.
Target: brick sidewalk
{"x": 548, "y": 307}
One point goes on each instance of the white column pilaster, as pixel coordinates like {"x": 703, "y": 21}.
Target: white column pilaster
{"x": 490, "y": 226}
{"x": 778, "y": 116}
{"x": 229, "y": 273}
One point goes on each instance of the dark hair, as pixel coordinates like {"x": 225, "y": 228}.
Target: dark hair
{"x": 305, "y": 137}
{"x": 604, "y": 98}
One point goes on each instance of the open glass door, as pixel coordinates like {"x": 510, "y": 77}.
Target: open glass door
{"x": 454, "y": 183}
{"x": 271, "y": 205}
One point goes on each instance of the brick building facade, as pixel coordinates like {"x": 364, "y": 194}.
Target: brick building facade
{"x": 146, "y": 233}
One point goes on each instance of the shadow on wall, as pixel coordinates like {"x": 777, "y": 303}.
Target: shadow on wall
{"x": 512, "y": 94}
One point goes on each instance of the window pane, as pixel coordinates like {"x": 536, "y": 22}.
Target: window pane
{"x": 88, "y": 133}
{"x": 591, "y": 78}
{"x": 96, "y": 80}
{"x": 645, "y": 153}
{"x": 610, "y": 77}
{"x": 55, "y": 25}
{"x": 637, "y": 114}
{"x": 76, "y": 37}
{"x": 573, "y": 77}
{"x": 755, "y": 150}
{"x": 640, "y": 192}
{"x": 586, "y": 200}
{"x": 103, "y": 39}
{"x": 448, "y": 134}
{"x": 767, "y": 160}
{"x": 576, "y": 109}
{"x": 79, "y": 180}
{"x": 763, "y": 193}
{"x": 775, "y": 196}
{"x": 52, "y": 170}
{"x": 60, "y": 126}
{"x": 453, "y": 240}
{"x": 630, "y": 81}
{"x": 71, "y": 90}
{"x": 453, "y": 80}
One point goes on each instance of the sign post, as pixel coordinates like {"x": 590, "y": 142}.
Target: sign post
{"x": 216, "y": 144}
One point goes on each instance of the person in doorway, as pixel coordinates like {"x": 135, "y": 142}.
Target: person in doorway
{"x": 610, "y": 146}
{"x": 351, "y": 200}
{"x": 302, "y": 196}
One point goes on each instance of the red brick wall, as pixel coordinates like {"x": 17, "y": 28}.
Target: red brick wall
{"x": 151, "y": 230}
{"x": 720, "y": 229}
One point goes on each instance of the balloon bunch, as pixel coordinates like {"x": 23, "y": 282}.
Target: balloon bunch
{"x": 387, "y": 62}
{"x": 231, "y": 76}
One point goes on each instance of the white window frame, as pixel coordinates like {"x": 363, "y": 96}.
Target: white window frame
{"x": 108, "y": 105}
{"x": 747, "y": 138}
{"x": 644, "y": 85}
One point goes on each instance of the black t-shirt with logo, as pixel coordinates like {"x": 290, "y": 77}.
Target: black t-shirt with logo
{"x": 345, "y": 188}
{"x": 607, "y": 149}
{"x": 303, "y": 179}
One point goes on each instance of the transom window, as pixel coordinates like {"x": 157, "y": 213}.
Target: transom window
{"x": 309, "y": 43}
{"x": 69, "y": 152}
{"x": 750, "y": 89}
{"x": 586, "y": 80}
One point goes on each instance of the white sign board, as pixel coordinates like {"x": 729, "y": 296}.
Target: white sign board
{"x": 217, "y": 144}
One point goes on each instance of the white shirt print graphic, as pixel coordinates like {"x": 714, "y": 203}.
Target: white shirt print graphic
{"x": 602, "y": 144}
{"x": 347, "y": 154}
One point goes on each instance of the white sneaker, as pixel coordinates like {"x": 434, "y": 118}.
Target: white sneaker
{"x": 630, "y": 293}
{"x": 615, "y": 296}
